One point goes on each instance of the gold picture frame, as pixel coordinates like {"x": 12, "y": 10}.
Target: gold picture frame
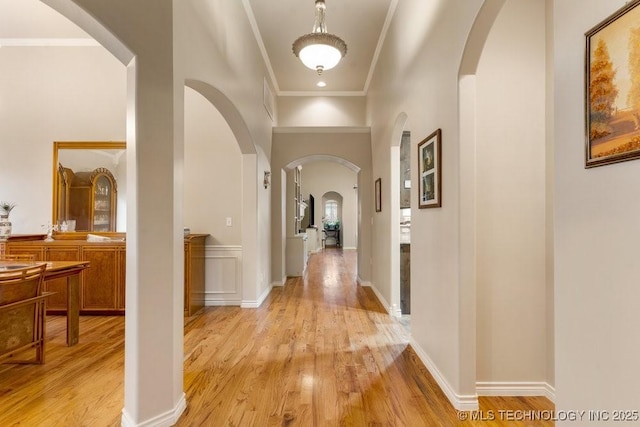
{"x": 612, "y": 88}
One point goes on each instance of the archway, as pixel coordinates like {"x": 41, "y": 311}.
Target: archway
{"x": 337, "y": 177}
{"x": 491, "y": 260}
{"x": 213, "y": 198}
{"x": 250, "y": 294}
{"x": 400, "y": 127}
{"x": 154, "y": 273}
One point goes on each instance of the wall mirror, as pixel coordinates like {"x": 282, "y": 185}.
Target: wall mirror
{"x": 89, "y": 186}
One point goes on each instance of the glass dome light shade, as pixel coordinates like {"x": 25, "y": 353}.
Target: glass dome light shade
{"x": 320, "y": 56}
{"x": 320, "y": 51}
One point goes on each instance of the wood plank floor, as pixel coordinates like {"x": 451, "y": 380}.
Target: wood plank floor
{"x": 319, "y": 352}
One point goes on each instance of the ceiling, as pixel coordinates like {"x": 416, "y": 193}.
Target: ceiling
{"x": 362, "y": 24}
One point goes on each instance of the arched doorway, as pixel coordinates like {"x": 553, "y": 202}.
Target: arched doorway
{"x": 400, "y": 207}
{"x": 213, "y": 197}
{"x": 251, "y": 292}
{"x": 326, "y": 178}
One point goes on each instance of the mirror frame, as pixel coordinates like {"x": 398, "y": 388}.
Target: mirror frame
{"x": 77, "y": 145}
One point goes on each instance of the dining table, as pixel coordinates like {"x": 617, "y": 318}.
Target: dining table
{"x": 55, "y": 270}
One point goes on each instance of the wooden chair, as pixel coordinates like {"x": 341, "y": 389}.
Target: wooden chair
{"x": 22, "y": 311}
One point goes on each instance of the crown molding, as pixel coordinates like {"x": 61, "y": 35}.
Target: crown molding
{"x": 383, "y": 35}
{"x": 321, "y": 129}
{"x": 321, "y": 93}
{"x": 48, "y": 42}
{"x": 263, "y": 50}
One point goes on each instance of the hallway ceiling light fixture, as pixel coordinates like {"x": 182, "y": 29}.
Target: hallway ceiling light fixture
{"x": 321, "y": 84}
{"x": 320, "y": 50}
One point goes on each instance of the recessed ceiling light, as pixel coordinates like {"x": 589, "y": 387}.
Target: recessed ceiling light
{"x": 321, "y": 84}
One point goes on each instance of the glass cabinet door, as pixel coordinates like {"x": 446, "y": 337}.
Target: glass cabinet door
{"x": 103, "y": 204}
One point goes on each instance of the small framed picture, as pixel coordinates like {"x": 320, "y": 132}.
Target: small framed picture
{"x": 429, "y": 167}
{"x": 612, "y": 93}
{"x": 378, "y": 190}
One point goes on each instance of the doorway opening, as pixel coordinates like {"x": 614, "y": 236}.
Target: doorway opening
{"x": 334, "y": 212}
{"x": 405, "y": 229}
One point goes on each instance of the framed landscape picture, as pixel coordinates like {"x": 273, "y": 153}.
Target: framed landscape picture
{"x": 612, "y": 93}
{"x": 429, "y": 167}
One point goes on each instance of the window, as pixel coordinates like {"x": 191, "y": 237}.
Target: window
{"x": 331, "y": 210}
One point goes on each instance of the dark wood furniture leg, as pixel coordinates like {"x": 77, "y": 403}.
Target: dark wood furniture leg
{"x": 73, "y": 309}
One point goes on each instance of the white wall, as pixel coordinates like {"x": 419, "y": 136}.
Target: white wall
{"x": 596, "y": 241}
{"x": 417, "y": 74}
{"x": 51, "y": 94}
{"x": 321, "y": 177}
{"x": 212, "y": 173}
{"x": 321, "y": 111}
{"x": 510, "y": 201}
{"x": 213, "y": 193}
{"x": 210, "y": 50}
{"x": 222, "y": 61}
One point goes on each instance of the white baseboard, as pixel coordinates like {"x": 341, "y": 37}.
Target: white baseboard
{"x": 363, "y": 282}
{"x": 166, "y": 419}
{"x": 516, "y": 388}
{"x": 223, "y": 303}
{"x": 460, "y": 402}
{"x": 280, "y": 283}
{"x": 258, "y": 302}
{"x": 396, "y": 311}
{"x": 382, "y": 300}
{"x": 551, "y": 392}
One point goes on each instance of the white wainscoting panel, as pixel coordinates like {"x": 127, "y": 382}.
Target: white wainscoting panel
{"x": 223, "y": 275}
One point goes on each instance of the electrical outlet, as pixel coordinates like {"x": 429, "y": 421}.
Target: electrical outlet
{"x": 229, "y": 221}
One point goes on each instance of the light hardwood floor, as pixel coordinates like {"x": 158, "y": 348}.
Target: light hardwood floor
{"x": 320, "y": 351}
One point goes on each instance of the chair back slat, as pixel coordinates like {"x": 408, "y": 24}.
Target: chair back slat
{"x": 19, "y": 281}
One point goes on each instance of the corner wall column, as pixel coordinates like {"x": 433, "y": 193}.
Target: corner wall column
{"x": 154, "y": 324}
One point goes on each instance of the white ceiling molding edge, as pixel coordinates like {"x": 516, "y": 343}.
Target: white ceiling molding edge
{"x": 383, "y": 36}
{"x": 321, "y": 129}
{"x": 263, "y": 51}
{"x": 323, "y": 93}
{"x": 48, "y": 42}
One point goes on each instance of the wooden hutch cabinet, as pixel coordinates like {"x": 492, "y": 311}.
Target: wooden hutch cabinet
{"x": 89, "y": 198}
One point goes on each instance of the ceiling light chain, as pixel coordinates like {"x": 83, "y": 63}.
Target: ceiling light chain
{"x": 320, "y": 50}
{"x": 319, "y": 26}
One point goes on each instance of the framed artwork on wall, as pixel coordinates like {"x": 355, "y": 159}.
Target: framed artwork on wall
{"x": 612, "y": 88}
{"x": 429, "y": 169}
{"x": 378, "y": 190}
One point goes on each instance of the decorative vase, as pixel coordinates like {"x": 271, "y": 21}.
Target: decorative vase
{"x": 5, "y": 227}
